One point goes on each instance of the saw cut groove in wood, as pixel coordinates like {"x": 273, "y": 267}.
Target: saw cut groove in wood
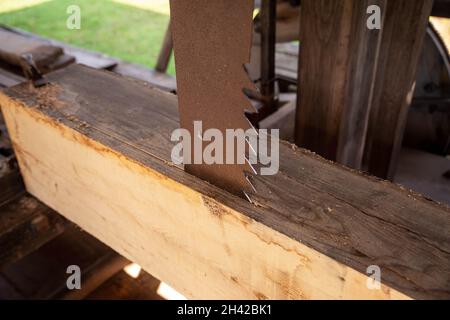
{"x": 211, "y": 78}
{"x": 96, "y": 147}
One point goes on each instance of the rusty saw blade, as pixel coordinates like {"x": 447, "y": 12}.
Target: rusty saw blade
{"x": 212, "y": 40}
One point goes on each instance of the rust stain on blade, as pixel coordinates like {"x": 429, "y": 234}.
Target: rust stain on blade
{"x": 212, "y": 40}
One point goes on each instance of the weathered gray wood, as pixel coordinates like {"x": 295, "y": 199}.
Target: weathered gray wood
{"x": 363, "y": 53}
{"x": 14, "y": 45}
{"x": 404, "y": 30}
{"x": 94, "y": 60}
{"x": 47, "y": 57}
{"x": 9, "y": 79}
{"x": 337, "y": 63}
{"x": 356, "y": 220}
{"x": 159, "y": 80}
{"x": 83, "y": 56}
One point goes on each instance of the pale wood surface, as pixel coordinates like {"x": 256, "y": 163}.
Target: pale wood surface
{"x": 95, "y": 147}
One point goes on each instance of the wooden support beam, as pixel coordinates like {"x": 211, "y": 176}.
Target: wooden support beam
{"x": 166, "y": 51}
{"x": 268, "y": 16}
{"x": 96, "y": 147}
{"x": 42, "y": 274}
{"x": 123, "y": 287}
{"x": 404, "y": 30}
{"x": 336, "y": 70}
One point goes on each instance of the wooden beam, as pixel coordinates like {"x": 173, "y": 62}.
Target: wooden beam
{"x": 166, "y": 51}
{"x": 94, "y": 60}
{"x": 268, "y": 15}
{"x": 15, "y": 45}
{"x": 158, "y": 80}
{"x": 123, "y": 287}
{"x": 41, "y": 274}
{"x": 96, "y": 147}
{"x": 404, "y": 30}
{"x": 336, "y": 69}
{"x": 9, "y": 79}
{"x": 46, "y": 56}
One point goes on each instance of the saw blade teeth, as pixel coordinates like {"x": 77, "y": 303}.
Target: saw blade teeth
{"x": 246, "y": 195}
{"x": 251, "y": 126}
{"x": 251, "y": 149}
{"x": 248, "y": 178}
{"x": 249, "y": 165}
{"x": 249, "y": 93}
{"x": 248, "y": 83}
{"x": 249, "y": 143}
{"x": 252, "y": 186}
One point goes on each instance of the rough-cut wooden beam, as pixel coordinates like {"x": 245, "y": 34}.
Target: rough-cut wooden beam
{"x": 337, "y": 62}
{"x": 404, "y": 30}
{"x": 95, "y": 147}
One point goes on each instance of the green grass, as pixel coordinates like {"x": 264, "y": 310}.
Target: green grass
{"x": 119, "y": 30}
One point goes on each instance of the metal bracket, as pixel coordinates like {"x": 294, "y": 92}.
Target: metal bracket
{"x": 31, "y": 71}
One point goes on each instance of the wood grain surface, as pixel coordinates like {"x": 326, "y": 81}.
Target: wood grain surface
{"x": 96, "y": 147}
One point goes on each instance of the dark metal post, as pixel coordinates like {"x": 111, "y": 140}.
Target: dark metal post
{"x": 268, "y": 33}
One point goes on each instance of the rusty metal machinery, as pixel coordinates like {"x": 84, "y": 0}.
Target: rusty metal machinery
{"x": 428, "y": 125}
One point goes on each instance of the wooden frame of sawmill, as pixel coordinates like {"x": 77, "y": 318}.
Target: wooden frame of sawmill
{"x": 95, "y": 147}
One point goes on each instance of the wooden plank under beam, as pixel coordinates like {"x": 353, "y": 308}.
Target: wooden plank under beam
{"x": 96, "y": 147}
{"x": 25, "y": 225}
{"x": 337, "y": 63}
{"x": 404, "y": 30}
{"x": 46, "y": 56}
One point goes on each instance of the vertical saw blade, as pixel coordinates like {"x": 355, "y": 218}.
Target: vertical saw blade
{"x": 212, "y": 41}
